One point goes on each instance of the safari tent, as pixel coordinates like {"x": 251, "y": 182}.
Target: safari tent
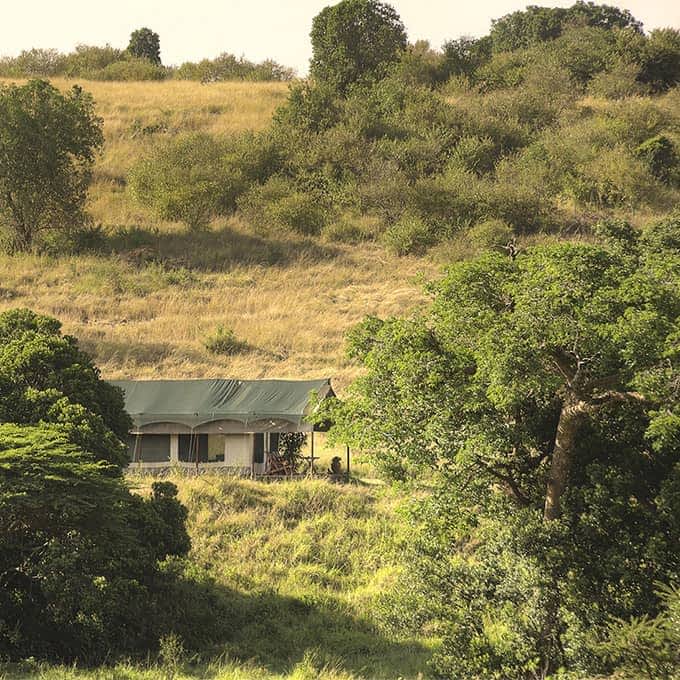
{"x": 220, "y": 423}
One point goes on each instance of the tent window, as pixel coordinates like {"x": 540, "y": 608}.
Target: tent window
{"x": 151, "y": 448}
{"x": 273, "y": 442}
{"x": 258, "y": 454}
{"x": 193, "y": 447}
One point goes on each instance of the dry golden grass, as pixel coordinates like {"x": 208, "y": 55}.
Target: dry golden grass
{"x": 139, "y": 323}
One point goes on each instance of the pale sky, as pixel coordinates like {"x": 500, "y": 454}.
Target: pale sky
{"x": 257, "y": 29}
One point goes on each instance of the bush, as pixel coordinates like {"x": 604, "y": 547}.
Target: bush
{"x": 228, "y": 67}
{"x": 130, "y": 69}
{"x": 384, "y": 189}
{"x": 492, "y": 233}
{"x": 87, "y": 60}
{"x": 612, "y": 178}
{"x": 279, "y": 206}
{"x": 410, "y": 235}
{"x": 617, "y": 83}
{"x": 660, "y": 155}
{"x": 33, "y": 63}
{"x": 224, "y": 341}
{"x": 189, "y": 179}
{"x": 475, "y": 154}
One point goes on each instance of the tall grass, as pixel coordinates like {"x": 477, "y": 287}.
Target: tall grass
{"x": 304, "y": 566}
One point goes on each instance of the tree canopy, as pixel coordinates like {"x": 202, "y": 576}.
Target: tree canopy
{"x": 48, "y": 142}
{"x": 355, "y": 41}
{"x": 145, "y": 44}
{"x": 46, "y": 377}
{"x": 80, "y": 574}
{"x": 536, "y": 24}
{"x": 539, "y": 397}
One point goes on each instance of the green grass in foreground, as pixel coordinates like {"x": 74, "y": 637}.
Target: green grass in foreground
{"x": 303, "y": 566}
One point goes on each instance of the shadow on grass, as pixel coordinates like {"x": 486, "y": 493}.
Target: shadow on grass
{"x": 137, "y": 354}
{"x": 211, "y": 250}
{"x": 278, "y": 632}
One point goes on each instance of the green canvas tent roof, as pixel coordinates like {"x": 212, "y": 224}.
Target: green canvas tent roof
{"x": 196, "y": 402}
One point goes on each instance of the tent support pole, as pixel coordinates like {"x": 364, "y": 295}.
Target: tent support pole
{"x": 347, "y": 473}
{"x": 311, "y": 458}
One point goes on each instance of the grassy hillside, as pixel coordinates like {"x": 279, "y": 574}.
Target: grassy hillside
{"x": 146, "y": 307}
{"x": 304, "y": 567}
{"x": 146, "y": 304}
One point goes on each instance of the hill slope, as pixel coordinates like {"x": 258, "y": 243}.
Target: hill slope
{"x": 146, "y": 306}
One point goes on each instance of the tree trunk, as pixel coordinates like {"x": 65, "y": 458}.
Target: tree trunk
{"x": 573, "y": 412}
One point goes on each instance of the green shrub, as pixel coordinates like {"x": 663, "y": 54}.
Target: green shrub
{"x": 384, "y": 189}
{"x": 476, "y": 154}
{"x": 410, "y": 235}
{"x": 492, "y": 233}
{"x": 131, "y": 69}
{"x": 278, "y": 205}
{"x": 224, "y": 341}
{"x": 506, "y": 69}
{"x": 190, "y": 179}
{"x": 421, "y": 65}
{"x": 32, "y": 63}
{"x": 617, "y": 83}
{"x": 660, "y": 155}
{"x": 612, "y": 178}
{"x": 228, "y": 67}
{"x": 87, "y": 60}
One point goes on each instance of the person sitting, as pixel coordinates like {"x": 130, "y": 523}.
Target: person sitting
{"x": 336, "y": 466}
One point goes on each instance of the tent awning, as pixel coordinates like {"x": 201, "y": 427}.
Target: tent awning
{"x": 196, "y": 402}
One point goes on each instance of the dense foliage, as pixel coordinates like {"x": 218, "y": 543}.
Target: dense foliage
{"x": 46, "y": 378}
{"x": 80, "y": 556}
{"x": 94, "y": 62}
{"x": 422, "y": 146}
{"x": 355, "y": 41}
{"x": 145, "y": 44}
{"x": 192, "y": 179}
{"x": 79, "y": 553}
{"x": 48, "y": 142}
{"x": 538, "y": 400}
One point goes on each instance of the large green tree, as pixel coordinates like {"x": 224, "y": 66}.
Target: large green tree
{"x": 145, "y": 44}
{"x": 536, "y": 24}
{"x": 79, "y": 554}
{"x": 355, "y": 41}
{"x": 48, "y": 142}
{"x": 538, "y": 397}
{"x": 46, "y": 377}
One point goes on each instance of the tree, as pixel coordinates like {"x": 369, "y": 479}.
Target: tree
{"x": 194, "y": 178}
{"x": 661, "y": 59}
{"x": 79, "y": 575}
{"x": 538, "y": 400}
{"x": 46, "y": 378}
{"x": 355, "y": 41}
{"x": 465, "y": 55}
{"x": 48, "y": 142}
{"x": 145, "y": 44}
{"x": 525, "y": 28}
{"x": 79, "y": 554}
